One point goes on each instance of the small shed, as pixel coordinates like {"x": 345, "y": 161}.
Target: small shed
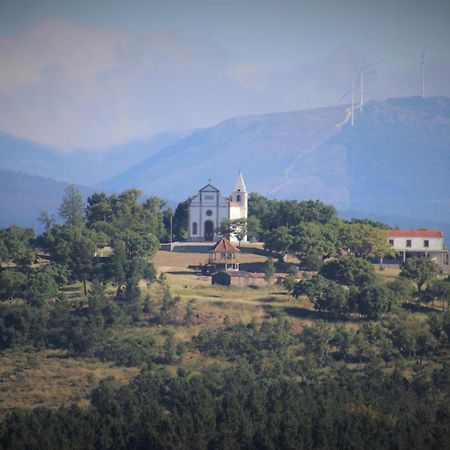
{"x": 224, "y": 255}
{"x": 237, "y": 278}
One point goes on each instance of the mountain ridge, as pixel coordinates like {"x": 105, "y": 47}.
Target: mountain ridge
{"x": 23, "y": 197}
{"x": 395, "y": 161}
{"x": 82, "y": 166}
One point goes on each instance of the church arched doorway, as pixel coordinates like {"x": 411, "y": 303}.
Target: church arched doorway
{"x": 209, "y": 231}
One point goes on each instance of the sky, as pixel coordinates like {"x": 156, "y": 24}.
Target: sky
{"x": 100, "y": 73}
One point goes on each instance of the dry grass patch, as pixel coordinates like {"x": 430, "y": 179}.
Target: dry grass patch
{"x": 49, "y": 379}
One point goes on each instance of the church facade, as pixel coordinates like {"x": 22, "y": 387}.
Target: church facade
{"x": 208, "y": 209}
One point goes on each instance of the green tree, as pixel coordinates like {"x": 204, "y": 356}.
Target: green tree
{"x": 317, "y": 341}
{"x": 169, "y": 305}
{"x": 41, "y": 286}
{"x": 439, "y": 290}
{"x": 4, "y": 254}
{"x": 99, "y": 209}
{"x": 19, "y": 245}
{"x": 12, "y": 283}
{"x": 96, "y": 297}
{"x": 118, "y": 214}
{"x": 138, "y": 244}
{"x": 312, "y": 241}
{"x": 46, "y": 219}
{"x": 325, "y": 295}
{"x": 81, "y": 260}
{"x": 189, "y": 315}
{"x": 278, "y": 241}
{"x": 234, "y": 228}
{"x": 254, "y": 229}
{"x": 373, "y": 301}
{"x": 342, "y": 340}
{"x": 71, "y": 208}
{"x": 402, "y": 288}
{"x": 180, "y": 220}
{"x": 364, "y": 240}
{"x": 117, "y": 266}
{"x": 350, "y": 271}
{"x": 419, "y": 270}
{"x": 269, "y": 272}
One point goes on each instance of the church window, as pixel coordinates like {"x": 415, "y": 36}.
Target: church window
{"x": 238, "y": 198}
{"x": 209, "y": 213}
{"x": 194, "y": 228}
{"x": 209, "y": 197}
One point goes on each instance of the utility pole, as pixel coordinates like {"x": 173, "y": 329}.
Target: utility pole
{"x": 171, "y": 231}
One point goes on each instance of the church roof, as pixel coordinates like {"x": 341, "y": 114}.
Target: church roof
{"x": 239, "y": 185}
{"x": 209, "y": 188}
{"x": 224, "y": 245}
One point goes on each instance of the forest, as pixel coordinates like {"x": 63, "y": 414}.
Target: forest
{"x": 341, "y": 354}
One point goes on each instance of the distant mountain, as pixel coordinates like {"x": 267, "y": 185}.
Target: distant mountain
{"x": 265, "y": 147}
{"x": 82, "y": 166}
{"x": 394, "y": 163}
{"x": 395, "y": 160}
{"x": 23, "y": 197}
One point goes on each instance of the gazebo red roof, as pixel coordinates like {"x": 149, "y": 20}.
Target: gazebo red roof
{"x": 224, "y": 245}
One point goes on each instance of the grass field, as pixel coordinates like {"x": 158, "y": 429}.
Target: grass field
{"x": 50, "y": 378}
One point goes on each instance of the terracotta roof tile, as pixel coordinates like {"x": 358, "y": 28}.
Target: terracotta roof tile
{"x": 224, "y": 245}
{"x": 415, "y": 233}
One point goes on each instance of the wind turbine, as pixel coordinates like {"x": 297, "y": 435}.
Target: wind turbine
{"x": 422, "y": 63}
{"x": 362, "y": 73}
{"x": 352, "y": 90}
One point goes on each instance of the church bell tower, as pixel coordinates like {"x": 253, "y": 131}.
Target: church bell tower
{"x": 239, "y": 198}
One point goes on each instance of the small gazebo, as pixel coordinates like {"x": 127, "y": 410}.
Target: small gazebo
{"x": 224, "y": 255}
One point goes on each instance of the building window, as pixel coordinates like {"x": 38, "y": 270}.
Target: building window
{"x": 238, "y": 198}
{"x": 194, "y": 228}
{"x": 209, "y": 197}
{"x": 391, "y": 242}
{"x": 408, "y": 242}
{"x": 209, "y": 213}
{"x": 426, "y": 243}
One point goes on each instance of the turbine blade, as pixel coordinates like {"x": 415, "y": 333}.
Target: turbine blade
{"x": 345, "y": 95}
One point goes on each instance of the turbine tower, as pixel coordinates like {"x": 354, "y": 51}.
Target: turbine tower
{"x": 422, "y": 63}
{"x": 362, "y": 73}
{"x": 352, "y": 110}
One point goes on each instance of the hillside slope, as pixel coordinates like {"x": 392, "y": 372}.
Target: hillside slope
{"x": 398, "y": 158}
{"x": 395, "y": 160}
{"x": 23, "y": 197}
{"x": 82, "y": 166}
{"x": 266, "y": 147}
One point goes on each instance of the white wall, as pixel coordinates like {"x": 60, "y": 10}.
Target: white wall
{"x": 207, "y": 205}
{"x": 417, "y": 244}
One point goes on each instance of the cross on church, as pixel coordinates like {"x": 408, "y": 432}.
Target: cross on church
{"x": 209, "y": 180}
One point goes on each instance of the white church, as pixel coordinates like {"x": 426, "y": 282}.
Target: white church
{"x": 209, "y": 208}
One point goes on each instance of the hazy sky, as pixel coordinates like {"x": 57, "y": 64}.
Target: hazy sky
{"x": 93, "y": 74}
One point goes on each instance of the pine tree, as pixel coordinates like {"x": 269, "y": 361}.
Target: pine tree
{"x": 71, "y": 208}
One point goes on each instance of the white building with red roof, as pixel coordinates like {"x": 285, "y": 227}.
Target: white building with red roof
{"x": 428, "y": 243}
{"x": 208, "y": 209}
